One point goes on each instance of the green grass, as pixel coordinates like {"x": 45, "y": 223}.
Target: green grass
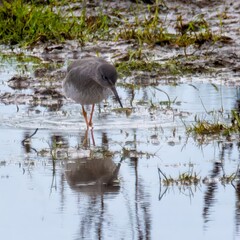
{"x": 185, "y": 179}
{"x": 203, "y": 127}
{"x": 207, "y": 128}
{"x": 153, "y": 31}
{"x": 190, "y": 178}
{"x": 126, "y": 67}
{"x": 170, "y": 67}
{"x": 27, "y": 24}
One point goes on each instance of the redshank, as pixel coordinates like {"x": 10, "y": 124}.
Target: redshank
{"x": 90, "y": 80}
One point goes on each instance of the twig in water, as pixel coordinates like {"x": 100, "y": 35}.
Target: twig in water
{"x": 193, "y": 86}
{"x": 160, "y": 185}
{"x": 169, "y": 100}
{"x": 160, "y": 171}
{"x": 27, "y": 138}
{"x": 203, "y": 106}
{"x": 235, "y": 176}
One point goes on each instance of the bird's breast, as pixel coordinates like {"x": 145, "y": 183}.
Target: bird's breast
{"x": 86, "y": 94}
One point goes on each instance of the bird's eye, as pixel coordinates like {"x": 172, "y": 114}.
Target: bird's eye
{"x": 104, "y": 78}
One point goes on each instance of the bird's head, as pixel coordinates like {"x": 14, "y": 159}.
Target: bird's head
{"x": 107, "y": 77}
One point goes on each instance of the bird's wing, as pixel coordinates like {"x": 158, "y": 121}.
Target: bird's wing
{"x": 87, "y": 62}
{"x": 80, "y": 76}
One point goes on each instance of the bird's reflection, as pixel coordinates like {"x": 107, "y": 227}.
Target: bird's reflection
{"x": 237, "y": 184}
{"x": 49, "y": 98}
{"x": 237, "y": 211}
{"x": 88, "y": 138}
{"x": 26, "y": 142}
{"x": 212, "y": 185}
{"x": 93, "y": 175}
{"x": 89, "y": 134}
{"x": 91, "y": 171}
{"x": 209, "y": 196}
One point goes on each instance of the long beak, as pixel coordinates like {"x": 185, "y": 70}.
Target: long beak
{"x": 116, "y": 95}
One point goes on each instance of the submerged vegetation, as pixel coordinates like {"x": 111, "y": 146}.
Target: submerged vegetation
{"x": 188, "y": 181}
{"x": 203, "y": 127}
{"x": 186, "y": 178}
{"x": 190, "y": 177}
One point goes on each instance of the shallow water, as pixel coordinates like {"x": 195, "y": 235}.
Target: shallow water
{"x": 54, "y": 185}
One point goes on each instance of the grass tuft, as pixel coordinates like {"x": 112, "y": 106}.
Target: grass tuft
{"x": 203, "y": 127}
{"x": 185, "y": 179}
{"x": 29, "y": 23}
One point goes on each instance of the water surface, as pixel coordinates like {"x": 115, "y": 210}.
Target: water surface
{"x": 54, "y": 185}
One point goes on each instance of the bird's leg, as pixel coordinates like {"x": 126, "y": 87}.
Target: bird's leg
{"x": 85, "y": 116}
{"x": 92, "y": 135}
{"x": 91, "y": 115}
{"x": 85, "y": 140}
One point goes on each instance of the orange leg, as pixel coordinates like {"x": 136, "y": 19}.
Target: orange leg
{"x": 93, "y": 140}
{"x": 85, "y": 140}
{"x": 91, "y": 115}
{"x": 85, "y": 116}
